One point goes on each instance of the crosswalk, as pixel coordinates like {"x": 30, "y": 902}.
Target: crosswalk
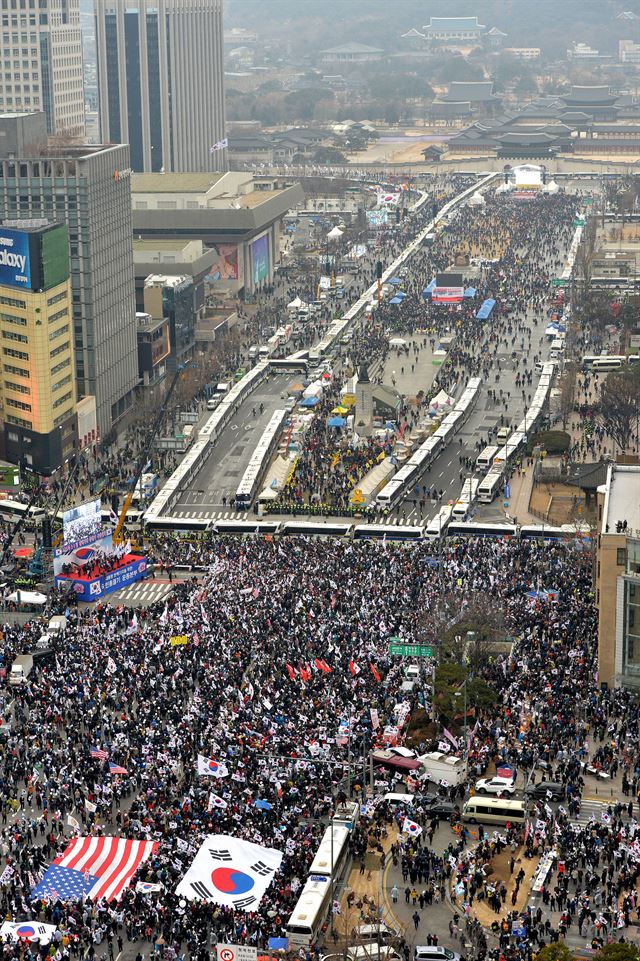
{"x": 143, "y": 594}
{"x": 413, "y": 517}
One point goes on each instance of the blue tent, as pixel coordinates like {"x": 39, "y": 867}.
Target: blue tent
{"x": 470, "y": 292}
{"x": 395, "y": 281}
{"x": 310, "y": 402}
{"x": 485, "y": 311}
{"x": 401, "y": 294}
{"x": 336, "y": 421}
{"x": 426, "y": 293}
{"x": 396, "y": 300}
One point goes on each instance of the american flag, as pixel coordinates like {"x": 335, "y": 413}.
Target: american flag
{"x": 98, "y": 754}
{"x": 94, "y": 868}
{"x": 116, "y": 769}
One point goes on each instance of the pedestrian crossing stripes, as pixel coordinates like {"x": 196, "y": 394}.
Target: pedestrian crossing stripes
{"x": 145, "y": 594}
{"x": 412, "y": 518}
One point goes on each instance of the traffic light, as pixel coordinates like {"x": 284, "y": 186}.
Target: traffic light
{"x": 379, "y": 270}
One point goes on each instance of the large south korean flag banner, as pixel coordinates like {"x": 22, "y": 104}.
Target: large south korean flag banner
{"x": 231, "y": 872}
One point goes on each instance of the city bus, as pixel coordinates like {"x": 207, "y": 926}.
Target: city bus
{"x": 491, "y": 485}
{"x": 307, "y": 918}
{"x": 485, "y": 459}
{"x": 11, "y": 510}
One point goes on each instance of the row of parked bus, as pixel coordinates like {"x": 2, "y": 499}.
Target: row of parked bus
{"x": 402, "y": 482}
{"x": 260, "y": 460}
{"x": 324, "y": 873}
{"x": 443, "y": 525}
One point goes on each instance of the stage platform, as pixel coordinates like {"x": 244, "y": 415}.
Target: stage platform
{"x": 89, "y": 588}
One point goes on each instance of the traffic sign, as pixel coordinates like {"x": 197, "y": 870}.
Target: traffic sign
{"x": 410, "y": 650}
{"x": 236, "y": 952}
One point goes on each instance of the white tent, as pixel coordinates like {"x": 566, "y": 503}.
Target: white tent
{"x": 551, "y": 187}
{"x": 397, "y": 342}
{"x": 476, "y": 200}
{"x": 335, "y": 233}
{"x": 295, "y": 303}
{"x": 27, "y": 597}
{"x": 504, "y": 188}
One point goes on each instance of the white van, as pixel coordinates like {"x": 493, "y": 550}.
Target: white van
{"x": 502, "y": 434}
{"x": 393, "y": 800}
{"x": 493, "y": 810}
{"x": 371, "y": 952}
{"x": 426, "y": 952}
{"x": 213, "y": 402}
{"x": 374, "y": 932}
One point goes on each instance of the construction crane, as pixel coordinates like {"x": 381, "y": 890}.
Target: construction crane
{"x": 144, "y": 455}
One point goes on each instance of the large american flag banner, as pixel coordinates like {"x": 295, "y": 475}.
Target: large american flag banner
{"x": 94, "y": 868}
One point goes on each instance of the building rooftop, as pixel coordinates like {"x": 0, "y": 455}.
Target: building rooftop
{"x": 474, "y": 91}
{"x": 353, "y": 48}
{"x": 173, "y": 183}
{"x": 622, "y": 500}
{"x": 454, "y": 23}
{"x": 589, "y": 94}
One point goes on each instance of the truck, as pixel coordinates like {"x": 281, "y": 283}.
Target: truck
{"x": 254, "y": 350}
{"x": 20, "y": 669}
{"x": 440, "y": 767}
{"x": 284, "y": 333}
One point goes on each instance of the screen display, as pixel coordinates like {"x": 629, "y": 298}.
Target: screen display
{"x": 15, "y": 263}
{"x": 260, "y": 259}
{"x": 81, "y": 521}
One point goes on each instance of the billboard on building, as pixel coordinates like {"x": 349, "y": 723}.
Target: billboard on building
{"x": 15, "y": 258}
{"x": 260, "y": 259}
{"x": 225, "y": 266}
{"x": 54, "y": 256}
{"x": 81, "y": 521}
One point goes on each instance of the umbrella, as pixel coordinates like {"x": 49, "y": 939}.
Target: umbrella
{"x": 389, "y": 425}
{"x": 401, "y": 294}
{"x": 340, "y": 410}
{"x": 23, "y": 552}
{"x": 395, "y": 281}
{"x": 336, "y": 422}
{"x": 309, "y": 402}
{"x": 396, "y": 300}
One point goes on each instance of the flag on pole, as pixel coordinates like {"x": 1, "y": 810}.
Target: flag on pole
{"x": 219, "y": 145}
{"x": 116, "y": 769}
{"x": 111, "y": 666}
{"x": 73, "y": 824}
{"x": 450, "y": 737}
{"x": 94, "y": 868}
{"x": 208, "y": 767}
{"x": 411, "y": 828}
{"x": 28, "y": 931}
{"x": 215, "y": 801}
{"x": 98, "y": 754}
{"x": 375, "y": 673}
{"x": 353, "y": 667}
{"x": 291, "y": 672}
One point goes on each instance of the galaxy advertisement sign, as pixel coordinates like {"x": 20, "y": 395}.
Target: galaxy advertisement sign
{"x": 15, "y": 258}
{"x": 260, "y": 259}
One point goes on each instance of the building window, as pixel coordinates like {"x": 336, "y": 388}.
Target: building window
{"x": 11, "y": 302}
{"x": 9, "y": 335}
{"x": 13, "y": 319}
{"x": 18, "y": 421}
{"x": 621, "y": 557}
{"x": 61, "y": 400}
{"x": 61, "y": 383}
{"x": 57, "y": 298}
{"x": 59, "y": 350}
{"x": 60, "y": 313}
{"x": 61, "y": 366}
{"x": 59, "y": 332}
{"x": 18, "y": 404}
{"x": 19, "y": 354}
{"x": 18, "y": 371}
{"x": 19, "y": 388}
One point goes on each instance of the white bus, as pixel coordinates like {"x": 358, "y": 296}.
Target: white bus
{"x": 485, "y": 459}
{"x": 605, "y": 362}
{"x": 11, "y": 510}
{"x": 493, "y": 810}
{"x": 437, "y": 527}
{"x": 490, "y": 486}
{"x": 305, "y": 922}
{"x": 333, "y": 852}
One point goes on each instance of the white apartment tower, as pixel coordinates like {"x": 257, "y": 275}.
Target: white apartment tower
{"x": 41, "y": 62}
{"x": 161, "y": 82}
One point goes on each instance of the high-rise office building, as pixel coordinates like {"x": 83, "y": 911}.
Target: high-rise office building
{"x": 87, "y": 187}
{"x": 161, "y": 82}
{"x": 38, "y": 384}
{"x": 41, "y": 62}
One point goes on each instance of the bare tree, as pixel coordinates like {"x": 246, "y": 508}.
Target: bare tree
{"x": 567, "y": 388}
{"x": 620, "y": 405}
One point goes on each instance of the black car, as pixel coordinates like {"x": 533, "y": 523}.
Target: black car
{"x": 442, "y": 810}
{"x": 546, "y": 790}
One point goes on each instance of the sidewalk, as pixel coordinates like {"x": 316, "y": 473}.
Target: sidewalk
{"x": 521, "y": 486}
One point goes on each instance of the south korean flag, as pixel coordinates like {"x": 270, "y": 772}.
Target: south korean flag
{"x": 411, "y": 828}
{"x": 231, "y": 872}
